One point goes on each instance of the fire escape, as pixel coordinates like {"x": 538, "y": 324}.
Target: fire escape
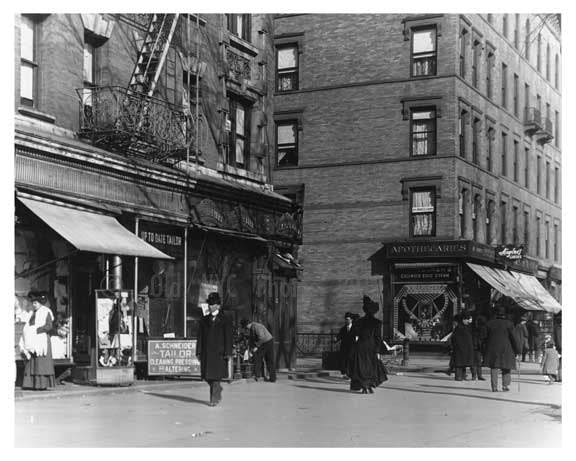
{"x": 131, "y": 120}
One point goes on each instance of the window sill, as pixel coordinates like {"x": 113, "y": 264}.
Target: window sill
{"x": 33, "y": 113}
{"x": 241, "y": 173}
{"x": 243, "y": 45}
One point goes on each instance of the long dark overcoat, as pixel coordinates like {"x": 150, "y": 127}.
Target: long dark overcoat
{"x": 462, "y": 346}
{"x": 500, "y": 347}
{"x": 214, "y": 344}
{"x": 347, "y": 339}
{"x": 364, "y": 368}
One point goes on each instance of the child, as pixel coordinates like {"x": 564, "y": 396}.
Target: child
{"x": 550, "y": 361}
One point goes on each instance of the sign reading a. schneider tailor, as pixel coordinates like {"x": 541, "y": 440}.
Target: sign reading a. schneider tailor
{"x": 173, "y": 357}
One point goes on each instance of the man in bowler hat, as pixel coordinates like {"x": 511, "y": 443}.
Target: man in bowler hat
{"x": 214, "y": 347}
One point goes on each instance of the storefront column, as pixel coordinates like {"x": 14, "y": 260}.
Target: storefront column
{"x": 117, "y": 271}
{"x": 185, "y": 310}
{"x": 136, "y": 299}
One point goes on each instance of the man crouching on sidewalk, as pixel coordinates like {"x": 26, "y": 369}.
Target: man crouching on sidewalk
{"x": 262, "y": 343}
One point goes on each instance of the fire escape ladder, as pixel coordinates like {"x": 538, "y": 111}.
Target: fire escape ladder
{"x": 153, "y": 53}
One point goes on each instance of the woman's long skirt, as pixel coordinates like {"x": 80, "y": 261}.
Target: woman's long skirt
{"x": 39, "y": 372}
{"x": 365, "y": 370}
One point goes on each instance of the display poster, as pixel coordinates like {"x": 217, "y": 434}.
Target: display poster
{"x": 173, "y": 357}
{"x": 114, "y": 311}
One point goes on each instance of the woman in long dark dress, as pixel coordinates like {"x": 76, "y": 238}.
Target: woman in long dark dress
{"x": 35, "y": 345}
{"x": 346, "y": 337}
{"x": 365, "y": 369}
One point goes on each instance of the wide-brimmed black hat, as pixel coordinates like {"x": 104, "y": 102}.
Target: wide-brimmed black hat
{"x": 40, "y": 296}
{"x": 213, "y": 298}
{"x": 369, "y": 306}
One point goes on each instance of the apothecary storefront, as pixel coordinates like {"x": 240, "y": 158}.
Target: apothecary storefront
{"x": 426, "y": 283}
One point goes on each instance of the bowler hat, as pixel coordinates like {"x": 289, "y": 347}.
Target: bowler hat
{"x": 349, "y": 315}
{"x": 39, "y": 296}
{"x": 213, "y": 298}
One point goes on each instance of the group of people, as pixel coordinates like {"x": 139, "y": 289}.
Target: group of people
{"x": 360, "y": 346}
{"x": 495, "y": 344}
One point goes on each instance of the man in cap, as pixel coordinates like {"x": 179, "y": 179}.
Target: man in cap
{"x": 262, "y": 342}
{"x": 214, "y": 347}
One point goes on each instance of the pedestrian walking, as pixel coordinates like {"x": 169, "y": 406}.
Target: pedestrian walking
{"x": 214, "y": 347}
{"x": 534, "y": 333}
{"x": 462, "y": 346}
{"x": 365, "y": 369}
{"x": 501, "y": 349}
{"x": 550, "y": 362}
{"x": 36, "y": 346}
{"x": 261, "y": 342}
{"x": 346, "y": 338}
{"x": 558, "y": 341}
{"x": 479, "y": 336}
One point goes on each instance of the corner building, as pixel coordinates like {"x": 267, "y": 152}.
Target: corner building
{"x": 142, "y": 173}
{"x": 421, "y": 146}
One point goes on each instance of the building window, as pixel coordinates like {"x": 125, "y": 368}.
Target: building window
{"x": 462, "y": 132}
{"x": 548, "y": 62}
{"x": 516, "y": 31}
{"x": 547, "y": 111}
{"x": 504, "y": 147}
{"x": 539, "y": 53}
{"x": 526, "y": 99}
{"x": 547, "y": 240}
{"x": 462, "y": 206}
{"x": 556, "y": 184}
{"x": 423, "y": 212}
{"x": 89, "y": 66}
{"x": 516, "y": 161}
{"x": 463, "y": 40}
{"x": 287, "y": 68}
{"x": 538, "y": 235}
{"x": 238, "y": 148}
{"x": 240, "y": 25}
{"x": 503, "y": 218}
{"x": 527, "y": 231}
{"x": 489, "y": 66}
{"x": 490, "y": 140}
{"x": 556, "y": 71}
{"x": 475, "y": 139}
{"x": 287, "y": 143}
{"x": 557, "y": 129}
{"x": 527, "y": 40}
{"x": 489, "y": 219}
{"x": 504, "y": 75}
{"x": 476, "y": 217}
{"x": 28, "y": 62}
{"x": 539, "y": 104}
{"x": 516, "y": 95}
{"x": 423, "y": 52}
{"x": 423, "y": 131}
{"x": 538, "y": 174}
{"x": 547, "y": 179}
{"x": 515, "y": 225}
{"x": 475, "y": 62}
{"x": 526, "y": 167}
{"x": 505, "y": 25}
{"x": 556, "y": 241}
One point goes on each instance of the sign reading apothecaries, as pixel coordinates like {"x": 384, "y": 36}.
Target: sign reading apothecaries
{"x": 175, "y": 357}
{"x": 427, "y": 249}
{"x": 168, "y": 239}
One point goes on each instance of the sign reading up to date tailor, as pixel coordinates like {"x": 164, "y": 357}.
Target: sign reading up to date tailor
{"x": 168, "y": 239}
{"x": 173, "y": 357}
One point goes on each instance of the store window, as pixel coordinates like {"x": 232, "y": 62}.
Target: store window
{"x": 240, "y": 25}
{"x": 28, "y": 61}
{"x": 423, "y": 131}
{"x": 239, "y": 134}
{"x": 423, "y": 51}
{"x": 287, "y": 67}
{"x": 287, "y": 143}
{"x": 423, "y": 212}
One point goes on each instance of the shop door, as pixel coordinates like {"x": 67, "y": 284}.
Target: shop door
{"x": 285, "y": 321}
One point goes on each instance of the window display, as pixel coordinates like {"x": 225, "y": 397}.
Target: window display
{"x": 114, "y": 310}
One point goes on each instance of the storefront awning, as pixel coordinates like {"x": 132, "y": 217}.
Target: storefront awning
{"x": 286, "y": 261}
{"x": 231, "y": 233}
{"x": 92, "y": 232}
{"x": 524, "y": 289}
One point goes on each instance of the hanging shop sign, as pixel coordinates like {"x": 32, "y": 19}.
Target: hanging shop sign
{"x": 439, "y": 249}
{"x": 426, "y": 274}
{"x": 510, "y": 252}
{"x": 168, "y": 239}
{"x": 175, "y": 357}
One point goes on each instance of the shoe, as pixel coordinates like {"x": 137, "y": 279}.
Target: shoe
{"x": 480, "y": 378}
{"x": 364, "y": 391}
{"x": 256, "y": 379}
{"x": 370, "y": 390}
{"x": 494, "y": 390}
{"x": 212, "y": 404}
{"x": 505, "y": 389}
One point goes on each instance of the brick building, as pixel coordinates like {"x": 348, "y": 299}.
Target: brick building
{"x": 418, "y": 145}
{"x": 142, "y": 181}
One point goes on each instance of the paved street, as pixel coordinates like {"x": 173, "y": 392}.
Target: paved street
{"x": 411, "y": 410}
